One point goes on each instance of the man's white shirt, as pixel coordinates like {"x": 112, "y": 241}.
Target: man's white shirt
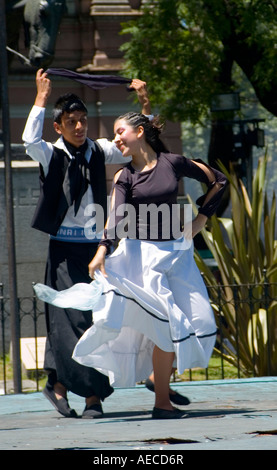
{"x": 41, "y": 151}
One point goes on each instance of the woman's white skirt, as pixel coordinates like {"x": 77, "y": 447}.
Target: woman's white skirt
{"x": 154, "y": 295}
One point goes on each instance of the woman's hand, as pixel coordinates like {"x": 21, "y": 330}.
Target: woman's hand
{"x": 141, "y": 89}
{"x": 197, "y": 224}
{"x": 98, "y": 262}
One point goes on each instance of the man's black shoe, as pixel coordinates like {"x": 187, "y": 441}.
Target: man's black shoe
{"x": 60, "y": 405}
{"x": 93, "y": 411}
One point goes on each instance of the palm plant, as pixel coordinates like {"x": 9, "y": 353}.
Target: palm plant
{"x": 245, "y": 297}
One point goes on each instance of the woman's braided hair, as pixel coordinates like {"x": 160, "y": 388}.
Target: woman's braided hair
{"x": 152, "y": 129}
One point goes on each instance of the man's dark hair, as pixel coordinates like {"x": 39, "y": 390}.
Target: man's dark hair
{"x": 67, "y": 104}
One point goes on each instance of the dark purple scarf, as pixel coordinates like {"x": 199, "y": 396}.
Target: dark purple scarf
{"x": 93, "y": 81}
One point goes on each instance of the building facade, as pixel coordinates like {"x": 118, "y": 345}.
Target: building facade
{"x": 89, "y": 41}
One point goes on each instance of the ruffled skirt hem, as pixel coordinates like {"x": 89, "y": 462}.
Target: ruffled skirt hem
{"x": 153, "y": 295}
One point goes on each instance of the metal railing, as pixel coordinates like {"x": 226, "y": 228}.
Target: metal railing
{"x": 246, "y": 323}
{"x": 32, "y": 324}
{"x": 247, "y": 319}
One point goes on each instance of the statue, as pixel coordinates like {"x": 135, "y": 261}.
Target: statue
{"x": 41, "y": 20}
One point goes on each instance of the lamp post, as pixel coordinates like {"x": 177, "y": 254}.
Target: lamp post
{"x": 135, "y": 4}
{"x": 245, "y": 139}
{"x": 249, "y": 136}
{"x": 14, "y": 311}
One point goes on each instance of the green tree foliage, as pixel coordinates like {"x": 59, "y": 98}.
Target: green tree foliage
{"x": 185, "y": 50}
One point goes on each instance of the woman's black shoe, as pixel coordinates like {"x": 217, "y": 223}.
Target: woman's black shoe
{"x": 175, "y": 398}
{"x": 160, "y": 413}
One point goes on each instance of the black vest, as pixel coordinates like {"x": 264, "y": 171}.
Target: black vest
{"x": 52, "y": 205}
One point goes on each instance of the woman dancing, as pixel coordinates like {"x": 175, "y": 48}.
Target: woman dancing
{"x": 153, "y": 311}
